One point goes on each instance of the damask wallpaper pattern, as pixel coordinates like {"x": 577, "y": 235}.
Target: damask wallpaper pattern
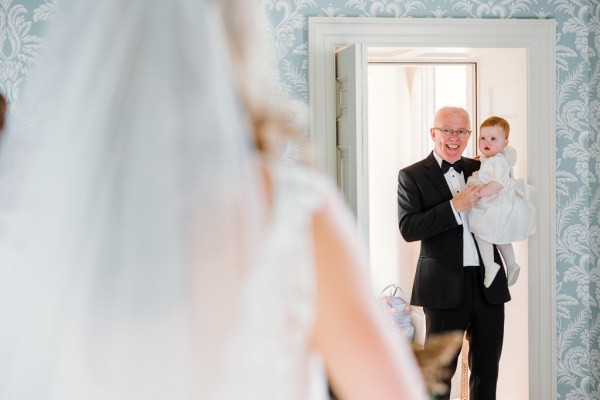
{"x": 577, "y": 131}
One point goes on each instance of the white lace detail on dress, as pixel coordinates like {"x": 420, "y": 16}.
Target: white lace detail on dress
{"x": 270, "y": 357}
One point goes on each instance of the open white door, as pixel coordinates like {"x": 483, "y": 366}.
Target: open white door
{"x": 352, "y": 160}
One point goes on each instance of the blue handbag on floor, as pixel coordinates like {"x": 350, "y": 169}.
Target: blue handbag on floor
{"x": 397, "y": 310}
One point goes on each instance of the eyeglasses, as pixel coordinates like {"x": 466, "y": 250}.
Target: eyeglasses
{"x": 448, "y": 131}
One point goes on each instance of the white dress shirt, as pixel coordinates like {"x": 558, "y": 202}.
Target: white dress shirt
{"x": 456, "y": 181}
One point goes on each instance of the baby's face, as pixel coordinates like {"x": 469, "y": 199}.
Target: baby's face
{"x": 491, "y": 140}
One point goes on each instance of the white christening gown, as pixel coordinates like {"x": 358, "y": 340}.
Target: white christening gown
{"x": 508, "y": 216}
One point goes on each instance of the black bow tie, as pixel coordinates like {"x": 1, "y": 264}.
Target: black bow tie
{"x": 458, "y": 166}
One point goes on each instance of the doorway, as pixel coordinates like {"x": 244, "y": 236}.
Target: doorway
{"x": 402, "y": 99}
{"x": 536, "y": 40}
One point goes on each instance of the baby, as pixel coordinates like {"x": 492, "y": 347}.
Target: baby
{"x": 505, "y": 213}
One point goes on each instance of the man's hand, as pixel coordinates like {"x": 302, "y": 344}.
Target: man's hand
{"x": 466, "y": 198}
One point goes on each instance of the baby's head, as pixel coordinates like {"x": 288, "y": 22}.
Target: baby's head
{"x": 493, "y": 136}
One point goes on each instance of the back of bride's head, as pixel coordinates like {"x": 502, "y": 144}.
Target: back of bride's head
{"x": 253, "y": 69}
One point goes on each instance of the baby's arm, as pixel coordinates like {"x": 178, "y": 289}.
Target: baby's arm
{"x": 489, "y": 189}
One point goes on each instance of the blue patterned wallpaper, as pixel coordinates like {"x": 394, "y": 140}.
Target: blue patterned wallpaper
{"x": 577, "y": 131}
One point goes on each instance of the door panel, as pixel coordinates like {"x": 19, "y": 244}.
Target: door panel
{"x": 352, "y": 161}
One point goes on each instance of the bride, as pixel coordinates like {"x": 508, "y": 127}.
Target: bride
{"x": 158, "y": 250}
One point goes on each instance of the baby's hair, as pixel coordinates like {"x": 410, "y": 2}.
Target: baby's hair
{"x": 497, "y": 121}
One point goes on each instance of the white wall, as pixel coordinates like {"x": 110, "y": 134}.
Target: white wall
{"x": 503, "y": 92}
{"x": 394, "y": 139}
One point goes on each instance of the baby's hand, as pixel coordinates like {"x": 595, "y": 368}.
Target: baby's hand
{"x": 466, "y": 198}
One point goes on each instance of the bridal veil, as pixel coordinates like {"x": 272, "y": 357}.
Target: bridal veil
{"x": 136, "y": 211}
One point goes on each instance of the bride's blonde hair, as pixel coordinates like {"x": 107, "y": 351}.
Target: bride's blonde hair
{"x": 246, "y": 35}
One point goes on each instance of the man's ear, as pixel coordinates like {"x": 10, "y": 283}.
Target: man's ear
{"x": 432, "y": 133}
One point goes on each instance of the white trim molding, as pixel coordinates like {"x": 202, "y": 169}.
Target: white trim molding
{"x": 538, "y": 38}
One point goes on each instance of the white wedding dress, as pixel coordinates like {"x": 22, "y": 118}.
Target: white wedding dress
{"x": 266, "y": 355}
{"x": 271, "y": 356}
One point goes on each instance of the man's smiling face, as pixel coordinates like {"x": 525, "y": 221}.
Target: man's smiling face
{"x": 450, "y": 147}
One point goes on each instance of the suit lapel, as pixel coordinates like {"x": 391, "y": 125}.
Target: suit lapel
{"x": 434, "y": 174}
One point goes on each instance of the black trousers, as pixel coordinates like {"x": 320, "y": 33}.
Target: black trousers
{"x": 484, "y": 327}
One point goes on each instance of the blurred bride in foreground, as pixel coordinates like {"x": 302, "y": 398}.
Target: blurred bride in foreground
{"x": 160, "y": 252}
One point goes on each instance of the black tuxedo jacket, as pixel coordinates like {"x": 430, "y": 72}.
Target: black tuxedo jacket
{"x": 425, "y": 214}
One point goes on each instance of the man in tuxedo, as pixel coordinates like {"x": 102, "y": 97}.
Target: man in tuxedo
{"x": 432, "y": 207}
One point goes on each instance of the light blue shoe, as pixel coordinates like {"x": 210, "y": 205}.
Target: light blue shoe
{"x": 512, "y": 273}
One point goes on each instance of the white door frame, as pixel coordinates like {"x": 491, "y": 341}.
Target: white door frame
{"x": 538, "y": 38}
